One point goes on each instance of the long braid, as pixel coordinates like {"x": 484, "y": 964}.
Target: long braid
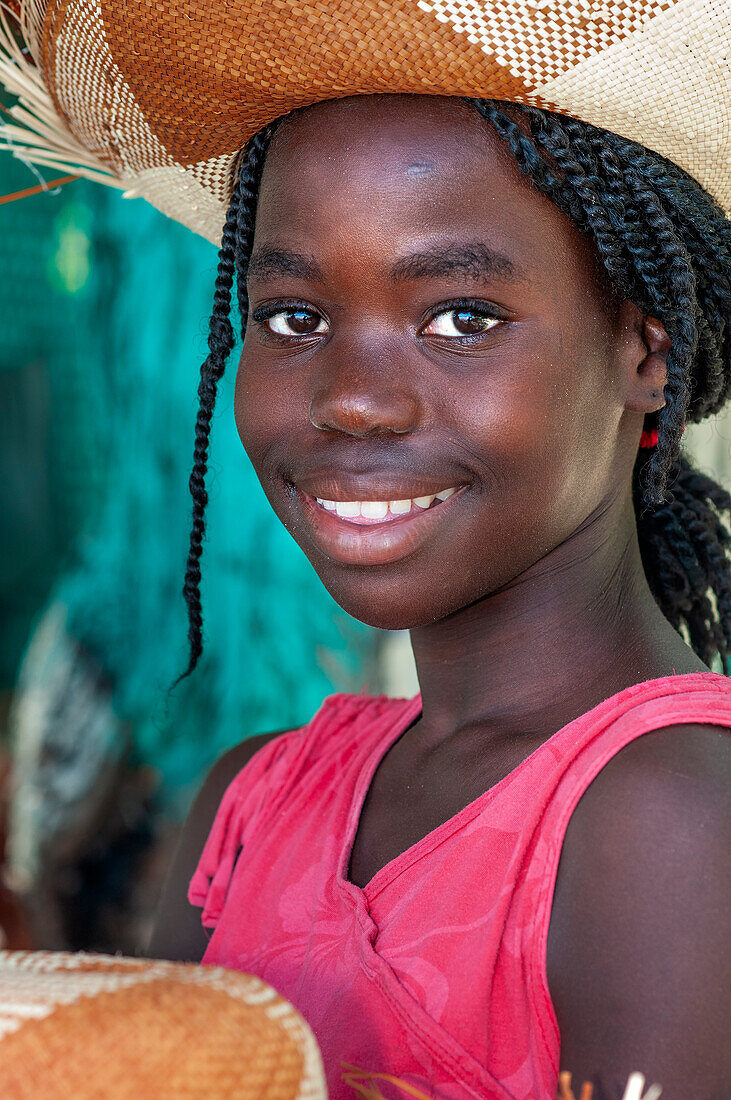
{"x": 249, "y": 178}
{"x": 238, "y": 228}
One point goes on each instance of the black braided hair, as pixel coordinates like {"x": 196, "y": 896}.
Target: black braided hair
{"x": 684, "y": 546}
{"x": 233, "y": 258}
{"x": 666, "y": 246}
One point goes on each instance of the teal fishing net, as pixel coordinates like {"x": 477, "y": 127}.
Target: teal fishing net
{"x": 51, "y": 458}
{"x": 120, "y": 350}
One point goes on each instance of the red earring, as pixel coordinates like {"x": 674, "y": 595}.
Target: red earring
{"x": 649, "y": 439}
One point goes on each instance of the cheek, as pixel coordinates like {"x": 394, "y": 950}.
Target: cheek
{"x": 244, "y": 396}
{"x": 541, "y": 428}
{"x": 263, "y": 409}
{"x": 271, "y": 411}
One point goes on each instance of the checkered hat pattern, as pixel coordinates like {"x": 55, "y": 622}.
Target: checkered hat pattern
{"x": 158, "y": 98}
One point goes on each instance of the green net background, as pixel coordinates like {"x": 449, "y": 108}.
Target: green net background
{"x": 104, "y": 316}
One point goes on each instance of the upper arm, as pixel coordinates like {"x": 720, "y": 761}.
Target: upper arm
{"x": 178, "y": 933}
{"x": 638, "y": 959}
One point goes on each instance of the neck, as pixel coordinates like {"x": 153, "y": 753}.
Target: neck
{"x": 577, "y": 627}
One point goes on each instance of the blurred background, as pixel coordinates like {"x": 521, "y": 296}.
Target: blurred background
{"x": 104, "y": 310}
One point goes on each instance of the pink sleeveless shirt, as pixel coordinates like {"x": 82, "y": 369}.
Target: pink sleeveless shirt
{"x": 436, "y": 971}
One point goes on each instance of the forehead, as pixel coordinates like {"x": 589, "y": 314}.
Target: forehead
{"x": 405, "y": 171}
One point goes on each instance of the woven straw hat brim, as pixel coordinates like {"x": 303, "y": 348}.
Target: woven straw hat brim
{"x": 159, "y": 98}
{"x": 76, "y": 1026}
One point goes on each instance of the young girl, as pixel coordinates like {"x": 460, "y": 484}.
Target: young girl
{"x": 474, "y": 332}
{"x": 451, "y": 395}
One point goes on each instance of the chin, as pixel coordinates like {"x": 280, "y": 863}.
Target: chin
{"x": 378, "y": 602}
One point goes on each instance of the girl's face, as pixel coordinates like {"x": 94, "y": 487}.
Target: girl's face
{"x": 422, "y": 319}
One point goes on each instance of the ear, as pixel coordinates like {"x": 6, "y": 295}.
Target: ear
{"x": 646, "y": 347}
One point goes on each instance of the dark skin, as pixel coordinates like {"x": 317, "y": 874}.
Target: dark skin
{"x": 526, "y": 598}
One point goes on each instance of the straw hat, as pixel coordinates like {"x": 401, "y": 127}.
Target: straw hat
{"x": 77, "y": 1026}
{"x": 159, "y": 97}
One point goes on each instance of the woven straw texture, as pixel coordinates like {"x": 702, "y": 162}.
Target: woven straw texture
{"x": 73, "y": 1027}
{"x": 162, "y": 94}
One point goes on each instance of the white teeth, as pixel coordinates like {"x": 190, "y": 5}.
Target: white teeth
{"x": 347, "y": 508}
{"x": 379, "y": 509}
{"x": 374, "y": 509}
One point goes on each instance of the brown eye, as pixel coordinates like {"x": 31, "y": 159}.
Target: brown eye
{"x": 460, "y": 322}
{"x": 469, "y": 323}
{"x": 296, "y": 322}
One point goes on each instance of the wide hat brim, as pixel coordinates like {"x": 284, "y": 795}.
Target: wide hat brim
{"x": 159, "y": 98}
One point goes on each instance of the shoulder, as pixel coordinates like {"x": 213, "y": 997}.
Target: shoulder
{"x": 670, "y": 769}
{"x": 270, "y": 759}
{"x": 656, "y": 814}
{"x": 178, "y": 933}
{"x": 637, "y": 952}
{"x": 221, "y": 776}
{"x": 335, "y": 712}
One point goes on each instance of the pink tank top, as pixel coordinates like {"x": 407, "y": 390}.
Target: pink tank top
{"x": 436, "y": 971}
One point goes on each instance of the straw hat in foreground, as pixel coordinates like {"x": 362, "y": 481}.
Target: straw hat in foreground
{"x": 82, "y": 1026}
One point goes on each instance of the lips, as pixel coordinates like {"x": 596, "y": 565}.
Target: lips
{"x": 370, "y": 540}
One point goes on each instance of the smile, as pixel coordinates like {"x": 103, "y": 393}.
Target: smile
{"x": 376, "y": 532}
{"x": 368, "y": 512}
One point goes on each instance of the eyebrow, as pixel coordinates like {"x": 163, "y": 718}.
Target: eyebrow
{"x": 269, "y": 263}
{"x": 473, "y": 259}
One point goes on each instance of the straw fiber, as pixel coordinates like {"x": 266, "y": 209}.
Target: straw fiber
{"x": 73, "y": 1027}
{"x": 165, "y": 94}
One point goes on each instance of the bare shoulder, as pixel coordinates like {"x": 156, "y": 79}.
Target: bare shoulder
{"x": 638, "y": 965}
{"x": 670, "y": 768}
{"x": 178, "y": 933}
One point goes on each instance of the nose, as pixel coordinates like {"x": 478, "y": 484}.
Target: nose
{"x": 360, "y": 403}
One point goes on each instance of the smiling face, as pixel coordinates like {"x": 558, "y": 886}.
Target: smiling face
{"x": 425, "y": 331}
